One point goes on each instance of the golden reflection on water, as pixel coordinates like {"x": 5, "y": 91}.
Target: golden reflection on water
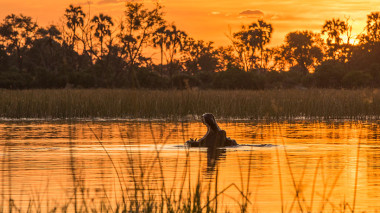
{"x": 311, "y": 165}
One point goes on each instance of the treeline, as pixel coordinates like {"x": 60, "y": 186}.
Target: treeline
{"x": 99, "y": 52}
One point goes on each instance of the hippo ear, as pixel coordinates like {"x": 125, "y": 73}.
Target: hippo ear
{"x": 213, "y": 119}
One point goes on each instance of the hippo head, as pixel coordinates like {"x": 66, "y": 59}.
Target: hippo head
{"x": 209, "y": 120}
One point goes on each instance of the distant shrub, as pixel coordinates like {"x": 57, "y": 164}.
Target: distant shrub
{"x": 205, "y": 78}
{"x": 151, "y": 80}
{"x": 356, "y": 79}
{"x": 329, "y": 74}
{"x": 238, "y": 79}
{"x": 274, "y": 79}
{"x": 14, "y": 79}
{"x": 49, "y": 79}
{"x": 82, "y": 79}
{"x": 374, "y": 71}
{"x": 184, "y": 81}
{"x": 293, "y": 78}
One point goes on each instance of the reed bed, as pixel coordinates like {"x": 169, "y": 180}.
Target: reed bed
{"x": 174, "y": 104}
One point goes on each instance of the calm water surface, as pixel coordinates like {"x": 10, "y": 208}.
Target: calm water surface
{"x": 311, "y": 166}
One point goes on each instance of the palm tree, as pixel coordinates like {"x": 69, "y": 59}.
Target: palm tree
{"x": 248, "y": 40}
{"x": 171, "y": 41}
{"x": 302, "y": 47}
{"x": 174, "y": 43}
{"x": 334, "y": 29}
{"x": 102, "y": 25}
{"x": 18, "y": 33}
{"x": 137, "y": 28}
{"x": 373, "y": 27}
{"x": 75, "y": 18}
{"x": 243, "y": 47}
{"x": 158, "y": 40}
{"x": 261, "y": 33}
{"x": 48, "y": 41}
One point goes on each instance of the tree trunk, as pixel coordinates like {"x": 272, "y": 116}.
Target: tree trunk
{"x": 162, "y": 55}
{"x": 133, "y": 76}
{"x": 19, "y": 59}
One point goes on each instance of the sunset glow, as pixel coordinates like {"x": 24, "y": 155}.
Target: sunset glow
{"x": 189, "y": 105}
{"x": 337, "y": 163}
{"x": 212, "y": 20}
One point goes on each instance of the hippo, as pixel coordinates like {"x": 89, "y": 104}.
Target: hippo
{"x": 214, "y": 138}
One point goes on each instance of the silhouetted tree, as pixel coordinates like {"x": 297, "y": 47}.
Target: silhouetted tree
{"x": 269, "y": 59}
{"x": 137, "y": 28}
{"x": 373, "y": 27}
{"x": 227, "y": 59}
{"x": 51, "y": 33}
{"x": 171, "y": 41}
{"x": 17, "y": 34}
{"x": 335, "y": 29}
{"x": 4, "y": 60}
{"x": 245, "y": 47}
{"x": 47, "y": 49}
{"x": 330, "y": 74}
{"x": 44, "y": 62}
{"x": 263, "y": 31}
{"x": 91, "y": 52}
{"x": 281, "y": 59}
{"x": 304, "y": 48}
{"x": 249, "y": 39}
{"x": 74, "y": 20}
{"x": 158, "y": 41}
{"x": 366, "y": 55}
{"x": 101, "y": 24}
{"x": 200, "y": 56}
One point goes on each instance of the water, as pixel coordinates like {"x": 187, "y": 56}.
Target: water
{"x": 333, "y": 166}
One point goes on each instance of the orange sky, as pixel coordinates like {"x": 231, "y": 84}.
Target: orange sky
{"x": 212, "y": 19}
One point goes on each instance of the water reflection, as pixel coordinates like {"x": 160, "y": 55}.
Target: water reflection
{"x": 213, "y": 156}
{"x": 314, "y": 159}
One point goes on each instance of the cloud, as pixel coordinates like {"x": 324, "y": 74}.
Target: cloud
{"x": 215, "y": 13}
{"x": 109, "y": 1}
{"x": 84, "y": 3}
{"x": 252, "y": 14}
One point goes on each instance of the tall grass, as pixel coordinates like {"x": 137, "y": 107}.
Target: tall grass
{"x": 136, "y": 191}
{"x": 174, "y": 104}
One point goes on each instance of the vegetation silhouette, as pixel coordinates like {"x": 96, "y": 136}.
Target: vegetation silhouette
{"x": 99, "y": 52}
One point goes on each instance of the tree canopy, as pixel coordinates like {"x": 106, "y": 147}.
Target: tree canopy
{"x": 142, "y": 49}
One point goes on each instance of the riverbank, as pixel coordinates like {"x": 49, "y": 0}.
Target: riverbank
{"x": 180, "y": 104}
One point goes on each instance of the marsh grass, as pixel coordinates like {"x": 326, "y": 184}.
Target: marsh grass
{"x": 174, "y": 104}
